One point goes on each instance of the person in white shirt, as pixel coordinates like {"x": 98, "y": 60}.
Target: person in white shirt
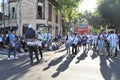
{"x": 113, "y": 41}
{"x": 119, "y": 41}
{"x": 40, "y": 43}
{"x": 74, "y": 44}
{"x": 95, "y": 39}
{"x": 90, "y": 37}
{"x": 49, "y": 37}
{"x": 68, "y": 40}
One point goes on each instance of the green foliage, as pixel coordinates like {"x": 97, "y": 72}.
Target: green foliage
{"x": 69, "y": 9}
{"x": 93, "y": 19}
{"x": 83, "y": 18}
{"x": 110, "y": 12}
{"x": 95, "y": 30}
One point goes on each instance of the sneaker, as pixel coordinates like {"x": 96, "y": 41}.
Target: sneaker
{"x": 9, "y": 59}
{"x": 15, "y": 58}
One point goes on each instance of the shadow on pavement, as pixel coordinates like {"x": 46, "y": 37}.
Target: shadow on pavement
{"x": 14, "y": 68}
{"x": 105, "y": 70}
{"x": 110, "y": 71}
{"x": 55, "y": 62}
{"x": 63, "y": 66}
{"x": 115, "y": 68}
{"x": 81, "y": 57}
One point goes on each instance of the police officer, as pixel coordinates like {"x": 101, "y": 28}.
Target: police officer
{"x": 31, "y": 39}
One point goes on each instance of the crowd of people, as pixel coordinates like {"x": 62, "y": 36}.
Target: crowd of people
{"x": 107, "y": 44}
{"x": 35, "y": 42}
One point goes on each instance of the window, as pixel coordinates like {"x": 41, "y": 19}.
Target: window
{"x": 42, "y": 28}
{"x": 40, "y": 11}
{"x": 13, "y": 13}
{"x": 50, "y": 13}
{"x": 81, "y": 26}
{"x": 13, "y": 10}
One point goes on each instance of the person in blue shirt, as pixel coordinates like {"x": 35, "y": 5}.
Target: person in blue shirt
{"x": 113, "y": 41}
{"x": 11, "y": 45}
{"x": 59, "y": 37}
{"x": 101, "y": 43}
{"x": 84, "y": 42}
{"x": 74, "y": 44}
{"x": 68, "y": 42}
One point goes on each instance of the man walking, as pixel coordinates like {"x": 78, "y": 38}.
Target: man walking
{"x": 31, "y": 39}
{"x": 74, "y": 44}
{"x": 11, "y": 45}
{"x": 113, "y": 41}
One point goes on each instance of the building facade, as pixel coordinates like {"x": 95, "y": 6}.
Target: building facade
{"x": 41, "y": 14}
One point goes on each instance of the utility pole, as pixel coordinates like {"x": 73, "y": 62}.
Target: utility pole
{"x": 19, "y": 17}
{"x": 3, "y": 14}
{"x": 8, "y": 13}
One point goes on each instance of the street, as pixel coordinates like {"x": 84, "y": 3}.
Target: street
{"x": 57, "y": 65}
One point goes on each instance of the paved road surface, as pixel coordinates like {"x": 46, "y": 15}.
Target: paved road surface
{"x": 58, "y": 65}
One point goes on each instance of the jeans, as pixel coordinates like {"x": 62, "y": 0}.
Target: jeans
{"x": 74, "y": 49}
{"x": 10, "y": 49}
{"x": 40, "y": 51}
{"x": 31, "y": 50}
{"x": 68, "y": 47}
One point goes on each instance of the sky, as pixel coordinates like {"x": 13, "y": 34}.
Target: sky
{"x": 89, "y": 5}
{"x": 1, "y": 3}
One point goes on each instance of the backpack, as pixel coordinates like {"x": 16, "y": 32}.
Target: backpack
{"x": 7, "y": 40}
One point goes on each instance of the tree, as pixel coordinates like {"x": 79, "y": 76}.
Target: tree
{"x": 69, "y": 10}
{"x": 110, "y": 12}
{"x": 93, "y": 19}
